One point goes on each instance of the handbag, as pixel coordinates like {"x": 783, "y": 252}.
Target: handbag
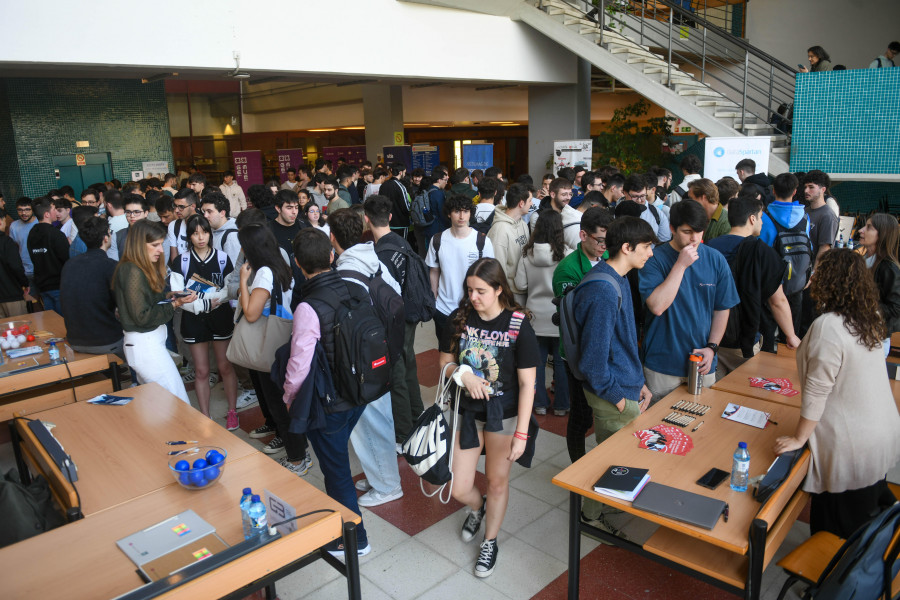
{"x": 253, "y": 345}
{"x": 429, "y": 447}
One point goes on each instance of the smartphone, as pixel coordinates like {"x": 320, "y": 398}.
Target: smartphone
{"x": 800, "y": 66}
{"x": 180, "y": 294}
{"x": 713, "y": 478}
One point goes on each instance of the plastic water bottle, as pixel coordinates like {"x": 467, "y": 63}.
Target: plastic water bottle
{"x": 246, "y": 499}
{"x": 257, "y": 516}
{"x": 840, "y": 242}
{"x": 53, "y": 352}
{"x": 740, "y": 468}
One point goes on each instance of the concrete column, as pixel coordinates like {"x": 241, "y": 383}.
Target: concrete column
{"x": 557, "y": 112}
{"x": 382, "y": 115}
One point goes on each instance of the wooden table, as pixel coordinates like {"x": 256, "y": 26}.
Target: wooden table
{"x": 125, "y": 485}
{"x": 19, "y": 391}
{"x": 81, "y": 559}
{"x": 773, "y": 366}
{"x": 121, "y": 451}
{"x": 724, "y": 555}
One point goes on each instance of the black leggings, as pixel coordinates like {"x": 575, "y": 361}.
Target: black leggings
{"x": 272, "y": 398}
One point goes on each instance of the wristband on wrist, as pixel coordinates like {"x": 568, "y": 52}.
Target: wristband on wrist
{"x": 458, "y": 373}
{"x": 521, "y": 436}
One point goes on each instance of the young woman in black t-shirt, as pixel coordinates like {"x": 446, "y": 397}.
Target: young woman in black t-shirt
{"x": 494, "y": 344}
{"x": 207, "y": 320}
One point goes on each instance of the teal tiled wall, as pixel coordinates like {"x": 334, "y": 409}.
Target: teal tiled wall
{"x": 847, "y": 122}
{"x": 126, "y": 118}
{"x": 10, "y": 182}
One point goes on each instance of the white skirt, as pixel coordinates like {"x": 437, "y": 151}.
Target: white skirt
{"x": 146, "y": 353}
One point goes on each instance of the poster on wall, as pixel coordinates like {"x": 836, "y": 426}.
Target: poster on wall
{"x": 425, "y": 157}
{"x": 572, "y": 153}
{"x": 354, "y": 155}
{"x": 402, "y": 154}
{"x": 247, "y": 168}
{"x": 723, "y": 153}
{"x": 477, "y": 156}
{"x": 288, "y": 158}
{"x": 155, "y": 168}
{"x": 680, "y": 126}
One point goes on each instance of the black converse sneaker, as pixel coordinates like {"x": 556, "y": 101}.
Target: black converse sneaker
{"x": 487, "y": 559}
{"x": 473, "y": 522}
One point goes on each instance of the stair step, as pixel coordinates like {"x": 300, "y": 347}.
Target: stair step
{"x": 684, "y": 83}
{"x": 617, "y": 44}
{"x": 779, "y": 139}
{"x": 781, "y": 150}
{"x": 716, "y": 103}
{"x": 703, "y": 92}
{"x": 649, "y": 60}
{"x": 634, "y": 51}
{"x": 733, "y": 114}
{"x": 675, "y": 72}
{"x": 570, "y": 20}
{"x": 755, "y": 127}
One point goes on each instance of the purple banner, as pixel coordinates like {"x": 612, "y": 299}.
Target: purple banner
{"x": 288, "y": 158}
{"x": 247, "y": 168}
{"x": 402, "y": 154}
{"x": 354, "y": 155}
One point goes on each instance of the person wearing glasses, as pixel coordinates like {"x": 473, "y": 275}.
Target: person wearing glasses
{"x": 638, "y": 189}
{"x": 136, "y": 209}
{"x": 176, "y": 242}
{"x": 567, "y": 275}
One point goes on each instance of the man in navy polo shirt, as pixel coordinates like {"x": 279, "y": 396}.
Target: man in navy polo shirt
{"x": 688, "y": 289}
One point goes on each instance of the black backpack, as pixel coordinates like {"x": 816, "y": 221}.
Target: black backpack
{"x": 436, "y": 241}
{"x": 655, "y": 212}
{"x": 27, "y": 509}
{"x": 482, "y": 226}
{"x": 569, "y": 330}
{"x": 362, "y": 366}
{"x": 795, "y": 248}
{"x": 389, "y": 306}
{"x": 415, "y": 287}
{"x": 859, "y": 569}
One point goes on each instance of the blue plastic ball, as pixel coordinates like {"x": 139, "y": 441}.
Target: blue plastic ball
{"x": 202, "y": 483}
{"x": 197, "y": 478}
{"x": 215, "y": 459}
{"x": 200, "y": 464}
{"x": 182, "y": 465}
{"x": 185, "y": 478}
{"x": 211, "y": 473}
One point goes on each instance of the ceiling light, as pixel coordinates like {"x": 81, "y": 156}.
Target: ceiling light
{"x": 356, "y": 127}
{"x": 332, "y": 129}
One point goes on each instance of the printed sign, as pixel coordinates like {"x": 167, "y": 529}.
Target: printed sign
{"x": 572, "y": 153}
{"x": 398, "y": 138}
{"x": 354, "y": 155}
{"x": 80, "y": 160}
{"x": 477, "y": 156}
{"x": 398, "y": 153}
{"x": 137, "y": 175}
{"x": 722, "y": 154}
{"x": 287, "y": 159}
{"x": 247, "y": 168}
{"x": 425, "y": 157}
{"x": 278, "y": 511}
{"x": 155, "y": 168}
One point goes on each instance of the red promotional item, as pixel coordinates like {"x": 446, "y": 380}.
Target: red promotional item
{"x": 779, "y": 386}
{"x": 665, "y": 438}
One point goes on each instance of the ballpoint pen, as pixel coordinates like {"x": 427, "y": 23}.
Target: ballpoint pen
{"x": 182, "y": 442}
{"x": 698, "y": 426}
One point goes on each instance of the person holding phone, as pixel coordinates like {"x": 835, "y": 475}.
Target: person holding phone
{"x": 139, "y": 282}
{"x": 818, "y": 60}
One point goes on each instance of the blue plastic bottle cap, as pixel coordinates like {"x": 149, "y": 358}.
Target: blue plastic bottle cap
{"x": 742, "y": 444}
{"x": 246, "y": 491}
{"x": 255, "y": 498}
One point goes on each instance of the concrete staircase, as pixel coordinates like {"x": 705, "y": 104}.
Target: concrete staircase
{"x": 648, "y": 74}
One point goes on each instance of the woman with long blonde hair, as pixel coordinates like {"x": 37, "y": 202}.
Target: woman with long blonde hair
{"x": 144, "y": 308}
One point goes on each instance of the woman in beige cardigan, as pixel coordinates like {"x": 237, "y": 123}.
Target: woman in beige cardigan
{"x": 848, "y": 414}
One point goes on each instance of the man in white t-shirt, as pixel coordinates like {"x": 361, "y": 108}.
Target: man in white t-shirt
{"x": 457, "y": 248}
{"x": 484, "y": 210}
{"x": 176, "y": 242}
{"x": 234, "y": 193}
{"x": 291, "y": 183}
{"x": 560, "y": 196}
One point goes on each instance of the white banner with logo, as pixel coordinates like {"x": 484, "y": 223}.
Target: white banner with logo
{"x": 723, "y": 153}
{"x": 572, "y": 153}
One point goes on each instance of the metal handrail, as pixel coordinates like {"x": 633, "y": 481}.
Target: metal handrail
{"x": 748, "y": 76}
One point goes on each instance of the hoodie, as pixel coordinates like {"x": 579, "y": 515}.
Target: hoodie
{"x": 362, "y": 259}
{"x": 788, "y": 214}
{"x": 508, "y": 238}
{"x": 535, "y": 276}
{"x": 232, "y": 247}
{"x": 761, "y": 180}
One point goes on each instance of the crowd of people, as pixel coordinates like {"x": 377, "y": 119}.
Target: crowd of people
{"x": 171, "y": 277}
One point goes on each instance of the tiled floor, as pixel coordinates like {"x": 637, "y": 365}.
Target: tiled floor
{"x": 417, "y": 551}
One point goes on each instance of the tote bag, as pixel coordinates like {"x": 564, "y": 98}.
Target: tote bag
{"x": 253, "y": 345}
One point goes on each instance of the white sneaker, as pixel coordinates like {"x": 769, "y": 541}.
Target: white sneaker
{"x": 246, "y": 399}
{"x": 363, "y": 485}
{"x": 375, "y": 498}
{"x": 339, "y": 553}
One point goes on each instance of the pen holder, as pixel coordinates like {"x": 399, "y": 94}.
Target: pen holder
{"x": 198, "y": 468}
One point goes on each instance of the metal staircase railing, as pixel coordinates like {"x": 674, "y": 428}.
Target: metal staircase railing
{"x": 755, "y": 81}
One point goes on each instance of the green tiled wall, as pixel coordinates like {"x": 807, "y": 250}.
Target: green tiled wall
{"x": 10, "y": 182}
{"x": 126, "y": 118}
{"x": 847, "y": 121}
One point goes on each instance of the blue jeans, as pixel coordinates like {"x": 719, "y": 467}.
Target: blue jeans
{"x": 373, "y": 441}
{"x": 51, "y": 300}
{"x": 330, "y": 445}
{"x": 561, "y": 397}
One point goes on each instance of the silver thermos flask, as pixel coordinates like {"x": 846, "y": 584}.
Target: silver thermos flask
{"x": 695, "y": 380}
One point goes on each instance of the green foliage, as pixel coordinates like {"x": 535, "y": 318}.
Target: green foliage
{"x": 632, "y": 147}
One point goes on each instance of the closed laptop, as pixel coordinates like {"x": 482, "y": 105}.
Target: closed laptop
{"x": 680, "y": 505}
